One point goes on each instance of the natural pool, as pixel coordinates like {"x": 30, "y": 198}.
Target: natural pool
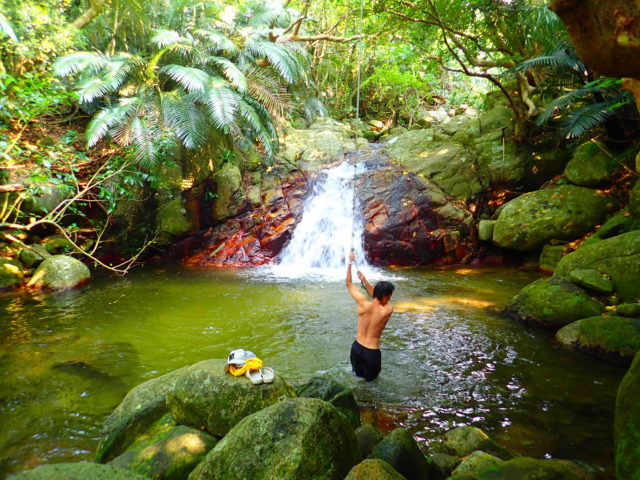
{"x": 449, "y": 358}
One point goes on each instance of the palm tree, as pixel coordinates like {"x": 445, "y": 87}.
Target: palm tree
{"x": 213, "y": 75}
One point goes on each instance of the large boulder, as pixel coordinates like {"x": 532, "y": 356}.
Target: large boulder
{"x": 368, "y": 437}
{"x": 401, "y": 451}
{"x": 617, "y": 257}
{"x": 591, "y": 279}
{"x": 78, "y": 471}
{"x": 410, "y": 221}
{"x": 374, "y": 469}
{"x": 172, "y": 218}
{"x": 169, "y": 453}
{"x": 553, "y": 303}
{"x": 294, "y": 439}
{"x": 143, "y": 406}
{"x": 11, "y": 273}
{"x": 525, "y": 468}
{"x": 205, "y": 396}
{"x": 610, "y": 337}
{"x": 229, "y": 195}
{"x": 463, "y": 441}
{"x": 566, "y": 212}
{"x": 450, "y": 165}
{"x": 60, "y": 272}
{"x": 590, "y": 166}
{"x": 319, "y": 146}
{"x": 334, "y": 392}
{"x": 627, "y": 424}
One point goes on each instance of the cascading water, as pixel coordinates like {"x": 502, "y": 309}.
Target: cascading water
{"x": 322, "y": 240}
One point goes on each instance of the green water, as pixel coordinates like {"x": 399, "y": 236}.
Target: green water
{"x": 448, "y": 357}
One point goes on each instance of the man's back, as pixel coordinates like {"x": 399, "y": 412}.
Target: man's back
{"x": 372, "y": 318}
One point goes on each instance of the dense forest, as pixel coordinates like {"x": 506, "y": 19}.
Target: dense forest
{"x": 150, "y": 136}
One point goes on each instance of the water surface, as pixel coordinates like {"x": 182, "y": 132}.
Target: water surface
{"x": 449, "y": 358}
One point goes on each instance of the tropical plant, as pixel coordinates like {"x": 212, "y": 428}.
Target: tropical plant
{"x": 6, "y": 28}
{"x": 210, "y": 76}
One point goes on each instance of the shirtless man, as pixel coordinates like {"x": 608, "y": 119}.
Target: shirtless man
{"x": 372, "y": 318}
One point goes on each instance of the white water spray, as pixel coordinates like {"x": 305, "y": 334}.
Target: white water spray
{"x": 322, "y": 240}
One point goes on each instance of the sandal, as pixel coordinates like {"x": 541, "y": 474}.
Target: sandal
{"x": 268, "y": 375}
{"x": 254, "y": 376}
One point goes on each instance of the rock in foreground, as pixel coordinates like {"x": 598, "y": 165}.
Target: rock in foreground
{"x": 627, "y": 424}
{"x": 205, "y": 396}
{"x": 374, "y": 469}
{"x": 78, "y": 471}
{"x": 401, "y": 451}
{"x": 553, "y": 303}
{"x": 296, "y": 439}
{"x": 60, "y": 272}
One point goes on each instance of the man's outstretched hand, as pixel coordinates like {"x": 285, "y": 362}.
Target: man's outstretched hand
{"x": 361, "y": 277}
{"x": 352, "y": 256}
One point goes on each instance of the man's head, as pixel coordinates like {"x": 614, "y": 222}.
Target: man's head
{"x": 383, "y": 291}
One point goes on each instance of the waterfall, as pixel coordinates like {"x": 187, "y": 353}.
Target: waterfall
{"x": 321, "y": 241}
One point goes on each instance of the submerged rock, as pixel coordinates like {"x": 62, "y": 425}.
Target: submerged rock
{"x": 591, "y": 165}
{"x": 617, "y": 257}
{"x": 205, "y": 396}
{"x": 525, "y": 468}
{"x": 60, "y": 272}
{"x": 336, "y": 393}
{"x": 552, "y": 303}
{"x": 139, "y": 410}
{"x": 374, "y": 469}
{"x": 465, "y": 440}
{"x": 78, "y": 471}
{"x": 11, "y": 274}
{"x": 168, "y": 454}
{"x": 627, "y": 424}
{"x": 566, "y": 212}
{"x": 610, "y": 337}
{"x": 401, "y": 451}
{"x": 295, "y": 439}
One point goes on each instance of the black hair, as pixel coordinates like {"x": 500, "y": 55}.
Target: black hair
{"x": 383, "y": 289}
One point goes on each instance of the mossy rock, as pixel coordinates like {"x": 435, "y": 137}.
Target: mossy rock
{"x": 627, "y": 424}
{"x": 619, "y": 223}
{"x": 334, "y": 392}
{"x": 172, "y": 218}
{"x": 616, "y": 338}
{"x": 566, "y": 212}
{"x": 32, "y": 257}
{"x": 525, "y": 468}
{"x": 374, "y": 469}
{"x": 60, "y": 272}
{"x": 204, "y": 396}
{"x": 477, "y": 461}
{"x": 553, "y": 303}
{"x": 550, "y": 256}
{"x": 400, "y": 450}
{"x": 591, "y": 279}
{"x": 141, "y": 408}
{"x": 295, "y": 439}
{"x": 590, "y": 166}
{"x": 78, "y": 471}
{"x": 465, "y": 440}
{"x": 230, "y": 197}
{"x": 634, "y": 200}
{"x": 169, "y": 453}
{"x": 617, "y": 257}
{"x": 57, "y": 244}
{"x": 442, "y": 465}
{"x": 628, "y": 310}
{"x": 368, "y": 437}
{"x": 485, "y": 230}
{"x": 11, "y": 273}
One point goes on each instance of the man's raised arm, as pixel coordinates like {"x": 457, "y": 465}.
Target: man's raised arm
{"x": 353, "y": 289}
{"x": 365, "y": 283}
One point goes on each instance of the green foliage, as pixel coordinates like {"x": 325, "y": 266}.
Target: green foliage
{"x": 6, "y": 28}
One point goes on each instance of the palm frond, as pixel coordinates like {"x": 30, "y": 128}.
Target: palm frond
{"x": 164, "y": 38}
{"x": 87, "y": 62}
{"x": 6, "y": 28}
{"x": 580, "y": 121}
{"x": 109, "y": 117}
{"x": 230, "y": 71}
{"x": 267, "y": 90}
{"x": 281, "y": 59}
{"x": 558, "y": 61}
{"x": 560, "y": 103}
{"x": 217, "y": 42}
{"x": 192, "y": 79}
{"x": 221, "y": 103}
{"x": 260, "y": 124}
{"x": 184, "y": 119}
{"x": 269, "y": 13}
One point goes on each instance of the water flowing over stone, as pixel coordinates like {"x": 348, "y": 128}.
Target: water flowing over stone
{"x": 331, "y": 225}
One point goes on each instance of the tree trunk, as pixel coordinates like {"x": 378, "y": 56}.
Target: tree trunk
{"x": 95, "y": 8}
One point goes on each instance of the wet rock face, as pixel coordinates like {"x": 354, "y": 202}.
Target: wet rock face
{"x": 410, "y": 221}
{"x": 252, "y": 239}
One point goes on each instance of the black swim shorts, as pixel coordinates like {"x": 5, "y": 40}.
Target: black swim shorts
{"x": 366, "y": 362}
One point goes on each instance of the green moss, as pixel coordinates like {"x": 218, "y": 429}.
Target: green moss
{"x": 374, "y": 469}
{"x": 627, "y": 424}
{"x": 611, "y": 337}
{"x": 11, "y": 273}
{"x": 401, "y": 451}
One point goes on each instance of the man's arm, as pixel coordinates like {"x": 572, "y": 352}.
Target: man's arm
{"x": 353, "y": 289}
{"x": 365, "y": 284}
